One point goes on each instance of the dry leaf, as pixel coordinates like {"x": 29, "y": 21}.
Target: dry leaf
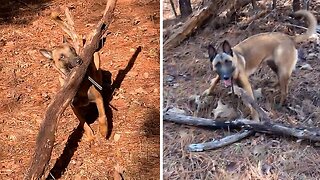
{"x": 223, "y": 111}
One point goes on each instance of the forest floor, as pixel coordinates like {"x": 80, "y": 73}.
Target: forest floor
{"x": 187, "y": 74}
{"x": 29, "y": 83}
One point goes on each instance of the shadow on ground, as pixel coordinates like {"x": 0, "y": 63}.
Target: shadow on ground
{"x": 20, "y": 11}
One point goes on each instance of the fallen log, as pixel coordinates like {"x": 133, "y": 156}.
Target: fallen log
{"x": 249, "y": 127}
{"x": 199, "y": 17}
{"x": 46, "y": 136}
{"x": 267, "y": 127}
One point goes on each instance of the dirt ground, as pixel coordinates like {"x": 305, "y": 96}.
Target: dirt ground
{"x": 28, "y": 83}
{"x": 187, "y": 73}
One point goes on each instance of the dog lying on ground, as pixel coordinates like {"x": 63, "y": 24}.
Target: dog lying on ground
{"x": 65, "y": 58}
{"x": 277, "y": 49}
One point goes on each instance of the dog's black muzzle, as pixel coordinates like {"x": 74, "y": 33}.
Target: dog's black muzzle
{"x": 225, "y": 73}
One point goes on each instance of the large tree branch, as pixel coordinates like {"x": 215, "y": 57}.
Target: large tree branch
{"x": 46, "y": 136}
{"x": 268, "y": 127}
{"x": 199, "y": 17}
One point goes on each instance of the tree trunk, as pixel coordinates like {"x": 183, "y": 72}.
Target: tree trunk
{"x": 296, "y": 5}
{"x": 185, "y": 8}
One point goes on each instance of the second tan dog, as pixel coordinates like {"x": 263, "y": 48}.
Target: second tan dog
{"x": 65, "y": 58}
{"x": 277, "y": 49}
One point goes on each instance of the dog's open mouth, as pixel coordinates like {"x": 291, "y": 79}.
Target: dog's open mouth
{"x": 227, "y": 83}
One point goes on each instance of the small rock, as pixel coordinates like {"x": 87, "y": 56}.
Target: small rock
{"x": 155, "y": 90}
{"x": 140, "y": 91}
{"x": 116, "y": 137}
{"x": 146, "y": 75}
{"x": 175, "y": 85}
{"x": 133, "y": 74}
{"x": 12, "y": 137}
{"x": 169, "y": 78}
{"x": 132, "y": 50}
{"x": 306, "y": 67}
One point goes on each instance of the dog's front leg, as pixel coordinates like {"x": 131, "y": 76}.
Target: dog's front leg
{"x": 103, "y": 125}
{"x": 244, "y": 82}
{"x": 214, "y": 82}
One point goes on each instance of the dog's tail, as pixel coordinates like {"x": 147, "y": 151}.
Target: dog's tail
{"x": 311, "y": 28}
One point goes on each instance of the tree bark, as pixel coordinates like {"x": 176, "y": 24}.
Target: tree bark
{"x": 185, "y": 8}
{"x": 198, "y": 18}
{"x": 268, "y": 127}
{"x": 46, "y": 135}
{"x": 215, "y": 144}
{"x": 296, "y": 5}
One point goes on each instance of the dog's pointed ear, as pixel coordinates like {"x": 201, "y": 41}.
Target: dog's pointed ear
{"x": 212, "y": 52}
{"x": 46, "y": 53}
{"x": 226, "y": 47}
{"x": 65, "y": 40}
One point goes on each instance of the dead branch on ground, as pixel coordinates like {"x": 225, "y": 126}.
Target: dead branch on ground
{"x": 312, "y": 134}
{"x": 267, "y": 126}
{"x": 46, "y": 135}
{"x": 198, "y": 18}
{"x": 215, "y": 144}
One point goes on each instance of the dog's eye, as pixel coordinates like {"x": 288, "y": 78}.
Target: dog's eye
{"x": 72, "y": 50}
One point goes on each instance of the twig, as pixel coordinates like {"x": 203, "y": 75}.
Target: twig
{"x": 215, "y": 144}
{"x": 173, "y": 8}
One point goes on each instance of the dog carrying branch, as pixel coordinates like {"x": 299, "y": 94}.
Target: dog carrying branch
{"x": 46, "y": 135}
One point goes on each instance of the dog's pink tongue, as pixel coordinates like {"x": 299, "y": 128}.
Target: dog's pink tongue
{"x": 227, "y": 83}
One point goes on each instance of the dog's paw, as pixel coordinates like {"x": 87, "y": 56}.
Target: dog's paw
{"x": 103, "y": 129}
{"x": 87, "y": 138}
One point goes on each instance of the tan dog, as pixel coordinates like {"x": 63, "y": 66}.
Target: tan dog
{"x": 277, "y": 49}
{"x": 65, "y": 58}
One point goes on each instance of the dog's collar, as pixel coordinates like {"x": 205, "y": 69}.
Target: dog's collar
{"x": 64, "y": 77}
